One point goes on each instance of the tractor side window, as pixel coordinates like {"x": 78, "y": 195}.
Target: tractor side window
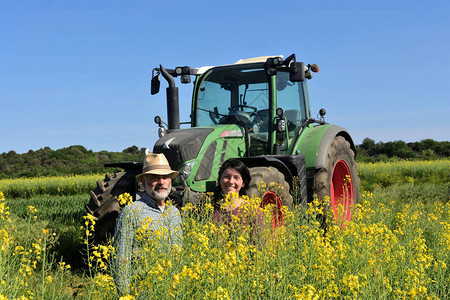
{"x": 257, "y": 101}
{"x": 290, "y": 98}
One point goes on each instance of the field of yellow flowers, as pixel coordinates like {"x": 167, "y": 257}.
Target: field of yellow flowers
{"x": 397, "y": 246}
{"x": 58, "y": 185}
{"x": 389, "y": 173}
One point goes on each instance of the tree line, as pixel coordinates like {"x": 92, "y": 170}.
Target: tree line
{"x": 76, "y": 160}
{"x": 73, "y": 160}
{"x": 427, "y": 149}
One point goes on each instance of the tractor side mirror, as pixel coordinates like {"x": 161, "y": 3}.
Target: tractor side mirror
{"x": 155, "y": 85}
{"x": 297, "y": 72}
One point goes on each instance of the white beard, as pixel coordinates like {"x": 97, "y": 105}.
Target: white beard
{"x": 158, "y": 195}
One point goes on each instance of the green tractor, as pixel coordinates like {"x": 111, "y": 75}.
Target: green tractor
{"x": 257, "y": 110}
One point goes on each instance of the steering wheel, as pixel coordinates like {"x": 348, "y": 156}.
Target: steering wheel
{"x": 236, "y": 108}
{"x": 242, "y": 115}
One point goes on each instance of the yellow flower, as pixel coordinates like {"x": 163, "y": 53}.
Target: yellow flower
{"x": 32, "y": 209}
{"x": 63, "y": 266}
{"x": 125, "y": 199}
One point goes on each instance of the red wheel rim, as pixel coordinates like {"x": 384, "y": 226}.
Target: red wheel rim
{"x": 342, "y": 191}
{"x": 271, "y": 197}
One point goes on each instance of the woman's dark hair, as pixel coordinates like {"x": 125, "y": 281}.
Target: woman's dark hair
{"x": 239, "y": 166}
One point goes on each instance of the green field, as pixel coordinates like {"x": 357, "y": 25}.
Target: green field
{"x": 397, "y": 246}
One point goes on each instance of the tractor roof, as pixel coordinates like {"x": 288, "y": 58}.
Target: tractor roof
{"x": 259, "y": 59}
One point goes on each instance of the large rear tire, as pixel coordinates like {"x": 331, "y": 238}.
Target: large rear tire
{"x": 103, "y": 204}
{"x": 270, "y": 175}
{"x": 339, "y": 180}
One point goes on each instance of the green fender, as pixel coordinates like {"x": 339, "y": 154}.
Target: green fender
{"x": 315, "y": 141}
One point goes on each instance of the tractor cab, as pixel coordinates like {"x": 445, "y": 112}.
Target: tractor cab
{"x": 246, "y": 95}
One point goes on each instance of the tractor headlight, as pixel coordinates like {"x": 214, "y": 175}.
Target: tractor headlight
{"x": 185, "y": 73}
{"x": 161, "y": 132}
{"x": 271, "y": 65}
{"x": 281, "y": 125}
{"x": 187, "y": 169}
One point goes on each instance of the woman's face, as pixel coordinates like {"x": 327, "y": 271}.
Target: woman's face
{"x": 231, "y": 181}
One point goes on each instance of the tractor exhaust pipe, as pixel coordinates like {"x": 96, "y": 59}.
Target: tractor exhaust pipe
{"x": 173, "y": 107}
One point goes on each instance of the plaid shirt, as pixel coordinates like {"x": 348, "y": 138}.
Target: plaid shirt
{"x": 142, "y": 219}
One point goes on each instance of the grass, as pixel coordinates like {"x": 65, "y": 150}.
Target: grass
{"x": 63, "y": 215}
{"x": 397, "y": 246}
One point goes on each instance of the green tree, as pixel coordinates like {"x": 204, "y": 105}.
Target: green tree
{"x": 132, "y": 150}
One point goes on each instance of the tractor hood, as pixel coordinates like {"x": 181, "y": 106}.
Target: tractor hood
{"x": 181, "y": 145}
{"x": 205, "y": 148}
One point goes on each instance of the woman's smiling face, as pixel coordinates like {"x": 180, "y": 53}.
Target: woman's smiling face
{"x": 231, "y": 181}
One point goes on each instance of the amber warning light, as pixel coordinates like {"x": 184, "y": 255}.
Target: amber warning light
{"x": 314, "y": 68}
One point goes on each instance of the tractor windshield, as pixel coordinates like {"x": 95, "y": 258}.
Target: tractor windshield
{"x": 232, "y": 94}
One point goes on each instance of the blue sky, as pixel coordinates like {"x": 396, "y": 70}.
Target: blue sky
{"x": 78, "y": 72}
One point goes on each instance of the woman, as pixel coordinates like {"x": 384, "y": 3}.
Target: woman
{"x": 230, "y": 205}
{"x": 234, "y": 177}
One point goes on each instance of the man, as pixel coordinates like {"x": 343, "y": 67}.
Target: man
{"x": 148, "y": 218}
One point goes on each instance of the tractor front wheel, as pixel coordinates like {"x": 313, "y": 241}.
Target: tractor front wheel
{"x": 339, "y": 180}
{"x": 274, "y": 180}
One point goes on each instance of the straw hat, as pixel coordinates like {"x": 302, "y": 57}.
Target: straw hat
{"x": 157, "y": 164}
